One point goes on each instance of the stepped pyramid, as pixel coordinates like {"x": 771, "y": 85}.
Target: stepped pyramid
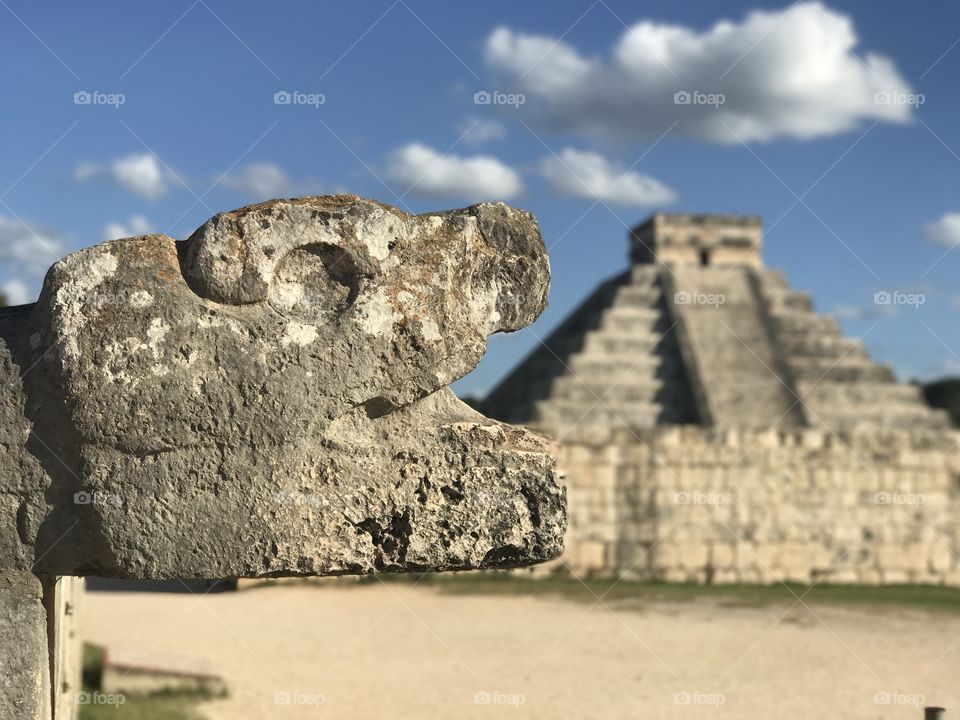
{"x": 699, "y": 332}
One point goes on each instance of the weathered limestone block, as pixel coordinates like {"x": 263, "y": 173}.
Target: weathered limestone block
{"x": 593, "y": 556}
{"x": 722, "y": 555}
{"x": 694, "y": 555}
{"x": 24, "y": 667}
{"x": 941, "y": 557}
{"x": 269, "y": 398}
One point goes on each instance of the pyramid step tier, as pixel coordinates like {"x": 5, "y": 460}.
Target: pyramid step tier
{"x": 839, "y": 417}
{"x": 626, "y": 389}
{"x": 565, "y": 415}
{"x": 846, "y": 369}
{"x": 608, "y": 343}
{"x": 824, "y": 346}
{"x": 857, "y": 394}
{"x": 797, "y": 322}
{"x": 613, "y": 369}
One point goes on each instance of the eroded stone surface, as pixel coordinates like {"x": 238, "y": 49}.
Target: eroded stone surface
{"x": 24, "y": 669}
{"x": 269, "y": 398}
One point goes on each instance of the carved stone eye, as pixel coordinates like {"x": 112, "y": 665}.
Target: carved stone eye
{"x": 319, "y": 281}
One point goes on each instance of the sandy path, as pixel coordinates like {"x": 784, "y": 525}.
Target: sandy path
{"x": 378, "y": 651}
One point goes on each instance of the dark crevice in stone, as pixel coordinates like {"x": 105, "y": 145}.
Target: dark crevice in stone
{"x": 452, "y": 494}
{"x": 22, "y": 524}
{"x": 503, "y": 556}
{"x": 530, "y": 496}
{"x": 378, "y": 407}
{"x": 422, "y": 491}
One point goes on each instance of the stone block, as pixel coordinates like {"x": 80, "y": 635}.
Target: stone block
{"x": 768, "y": 575}
{"x": 842, "y": 576}
{"x": 821, "y": 558}
{"x": 694, "y": 555}
{"x": 667, "y": 554}
{"x": 672, "y": 575}
{"x": 744, "y": 555}
{"x": 722, "y": 556}
{"x": 725, "y": 577}
{"x": 893, "y": 576}
{"x": 892, "y": 557}
{"x": 941, "y": 557}
{"x": 593, "y": 556}
{"x": 767, "y": 556}
{"x": 795, "y": 556}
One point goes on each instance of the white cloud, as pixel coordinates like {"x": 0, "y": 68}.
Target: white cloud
{"x": 946, "y": 368}
{"x": 945, "y": 231}
{"x": 266, "y": 180}
{"x": 479, "y": 130}
{"x": 430, "y": 174}
{"x": 786, "y": 73}
{"x": 852, "y": 312}
{"x": 16, "y": 292}
{"x": 580, "y": 173}
{"x": 27, "y": 250}
{"x": 136, "y": 225}
{"x": 848, "y": 312}
{"x": 262, "y": 180}
{"x": 139, "y": 174}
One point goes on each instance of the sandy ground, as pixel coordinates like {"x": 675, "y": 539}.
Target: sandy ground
{"x": 396, "y": 651}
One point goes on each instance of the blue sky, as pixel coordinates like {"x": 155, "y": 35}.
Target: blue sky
{"x": 199, "y": 131}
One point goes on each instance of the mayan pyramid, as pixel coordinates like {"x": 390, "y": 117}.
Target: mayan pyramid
{"x": 697, "y": 331}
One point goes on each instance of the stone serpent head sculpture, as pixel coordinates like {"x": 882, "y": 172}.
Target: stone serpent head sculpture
{"x": 269, "y": 397}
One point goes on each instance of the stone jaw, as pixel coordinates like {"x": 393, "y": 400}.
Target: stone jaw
{"x": 269, "y": 398}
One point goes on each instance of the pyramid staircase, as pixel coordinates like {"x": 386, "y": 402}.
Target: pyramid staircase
{"x": 615, "y": 361}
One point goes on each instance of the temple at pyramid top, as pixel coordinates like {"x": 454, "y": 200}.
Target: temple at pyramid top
{"x": 698, "y": 239}
{"x": 697, "y": 331}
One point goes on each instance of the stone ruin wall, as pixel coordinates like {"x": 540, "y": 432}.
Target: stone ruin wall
{"x": 687, "y": 504}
